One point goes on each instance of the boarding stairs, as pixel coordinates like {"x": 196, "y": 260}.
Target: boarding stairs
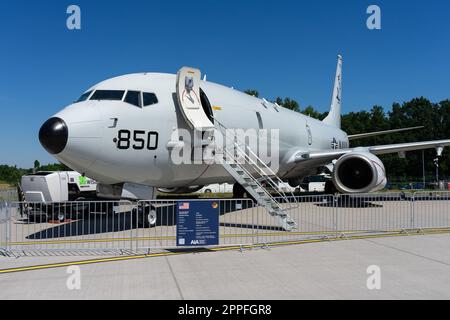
{"x": 257, "y": 179}
{"x": 241, "y": 162}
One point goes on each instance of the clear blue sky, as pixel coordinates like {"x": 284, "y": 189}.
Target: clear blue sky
{"x": 281, "y": 48}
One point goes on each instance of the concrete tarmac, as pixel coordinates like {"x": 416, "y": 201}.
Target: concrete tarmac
{"x": 412, "y": 267}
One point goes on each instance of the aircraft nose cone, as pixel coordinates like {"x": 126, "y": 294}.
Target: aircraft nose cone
{"x": 54, "y": 135}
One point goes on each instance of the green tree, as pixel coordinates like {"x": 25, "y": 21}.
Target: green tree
{"x": 37, "y": 164}
{"x": 288, "y": 103}
{"x": 55, "y": 167}
{"x": 311, "y": 112}
{"x": 12, "y": 174}
{"x": 252, "y": 92}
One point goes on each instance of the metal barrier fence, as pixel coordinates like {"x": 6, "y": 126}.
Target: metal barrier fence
{"x": 8, "y": 195}
{"x": 123, "y": 227}
{"x": 4, "y": 219}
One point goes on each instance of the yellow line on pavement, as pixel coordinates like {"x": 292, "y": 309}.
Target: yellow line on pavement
{"x": 85, "y": 262}
{"x": 235, "y": 235}
{"x": 216, "y": 249}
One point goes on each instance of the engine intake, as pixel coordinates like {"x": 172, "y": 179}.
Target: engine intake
{"x": 359, "y": 172}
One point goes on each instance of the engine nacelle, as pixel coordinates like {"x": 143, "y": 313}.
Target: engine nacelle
{"x": 180, "y": 190}
{"x": 359, "y": 172}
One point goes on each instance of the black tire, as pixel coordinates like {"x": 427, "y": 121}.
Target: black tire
{"x": 144, "y": 218}
{"x": 142, "y": 221}
{"x": 55, "y": 212}
{"x": 32, "y": 215}
{"x": 238, "y": 191}
{"x": 59, "y": 216}
{"x": 330, "y": 188}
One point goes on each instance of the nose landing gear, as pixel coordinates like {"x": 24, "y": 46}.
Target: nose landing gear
{"x": 145, "y": 216}
{"x": 239, "y": 192}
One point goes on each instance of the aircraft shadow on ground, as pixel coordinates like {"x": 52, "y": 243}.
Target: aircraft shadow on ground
{"x": 89, "y": 226}
{"x": 101, "y": 223}
{"x": 250, "y": 226}
{"x": 349, "y": 203}
{"x": 97, "y": 224}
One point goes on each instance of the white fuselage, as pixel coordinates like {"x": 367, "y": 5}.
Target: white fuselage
{"x": 93, "y": 128}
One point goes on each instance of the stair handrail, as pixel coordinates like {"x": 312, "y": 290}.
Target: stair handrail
{"x": 262, "y": 173}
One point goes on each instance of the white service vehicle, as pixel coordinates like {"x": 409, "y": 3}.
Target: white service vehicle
{"x": 61, "y": 186}
{"x": 57, "y": 195}
{"x": 286, "y": 187}
{"x": 62, "y": 195}
{"x": 317, "y": 183}
{"x": 217, "y": 188}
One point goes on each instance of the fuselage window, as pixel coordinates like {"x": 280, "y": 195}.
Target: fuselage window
{"x": 149, "y": 99}
{"x": 84, "y": 97}
{"x": 134, "y": 98}
{"x": 116, "y": 95}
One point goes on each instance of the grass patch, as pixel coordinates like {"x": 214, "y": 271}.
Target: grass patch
{"x": 5, "y": 186}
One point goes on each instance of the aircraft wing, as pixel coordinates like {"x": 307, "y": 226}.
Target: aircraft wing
{"x": 327, "y": 156}
{"x": 379, "y": 133}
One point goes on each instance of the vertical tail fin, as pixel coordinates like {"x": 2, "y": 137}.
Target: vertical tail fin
{"x": 334, "y": 117}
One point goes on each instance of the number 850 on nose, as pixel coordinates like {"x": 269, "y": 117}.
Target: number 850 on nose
{"x": 137, "y": 140}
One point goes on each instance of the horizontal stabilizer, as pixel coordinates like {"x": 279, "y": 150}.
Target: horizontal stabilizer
{"x": 379, "y": 133}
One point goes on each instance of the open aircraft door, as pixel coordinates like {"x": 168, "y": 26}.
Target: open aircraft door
{"x": 189, "y": 99}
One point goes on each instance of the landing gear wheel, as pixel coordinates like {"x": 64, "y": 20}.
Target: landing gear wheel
{"x": 330, "y": 188}
{"x": 238, "y": 191}
{"x": 152, "y": 218}
{"x": 60, "y": 217}
{"x": 145, "y": 218}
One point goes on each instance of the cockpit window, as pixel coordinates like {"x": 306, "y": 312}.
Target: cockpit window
{"x": 149, "y": 99}
{"x": 134, "y": 98}
{"x": 85, "y": 96}
{"x": 108, "y": 95}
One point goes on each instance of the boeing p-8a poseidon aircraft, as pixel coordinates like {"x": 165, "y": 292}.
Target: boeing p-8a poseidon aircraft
{"x": 129, "y": 133}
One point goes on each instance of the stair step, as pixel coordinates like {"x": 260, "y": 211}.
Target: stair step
{"x": 280, "y": 215}
{"x": 254, "y": 187}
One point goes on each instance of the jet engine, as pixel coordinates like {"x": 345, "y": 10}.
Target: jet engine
{"x": 359, "y": 172}
{"x": 180, "y": 190}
